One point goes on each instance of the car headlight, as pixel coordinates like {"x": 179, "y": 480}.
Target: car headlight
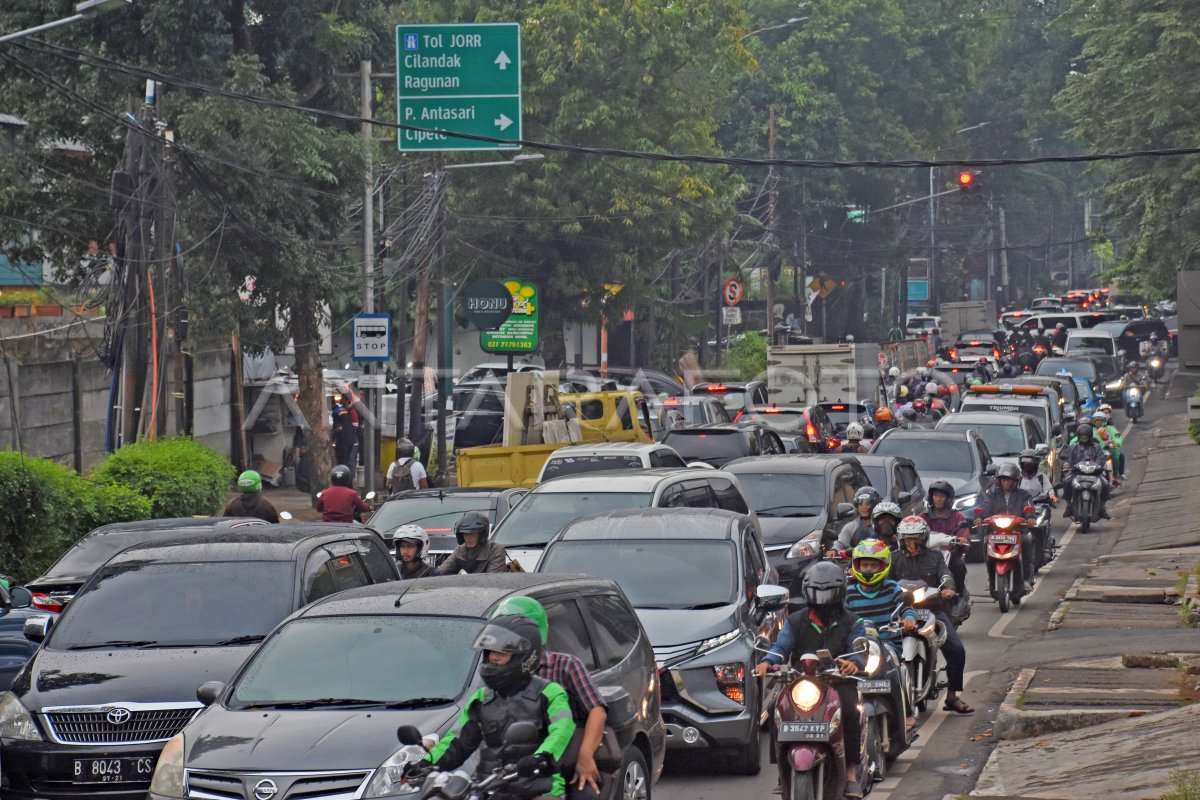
{"x": 1114, "y": 386}
{"x": 168, "y": 773}
{"x": 717, "y": 641}
{"x": 15, "y": 720}
{"x": 806, "y": 695}
{"x": 388, "y": 779}
{"x": 802, "y": 549}
{"x": 966, "y": 501}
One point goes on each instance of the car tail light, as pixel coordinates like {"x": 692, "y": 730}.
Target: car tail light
{"x": 953, "y": 352}
{"x": 45, "y": 602}
{"x": 716, "y": 387}
{"x": 731, "y": 680}
{"x": 837, "y": 407}
{"x": 739, "y": 416}
{"x": 995, "y": 352}
{"x": 811, "y": 432}
{"x": 671, "y": 401}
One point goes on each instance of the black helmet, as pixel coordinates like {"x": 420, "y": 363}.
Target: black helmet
{"x": 340, "y": 476}
{"x": 945, "y": 488}
{"x": 472, "y": 522}
{"x": 405, "y": 448}
{"x": 824, "y": 587}
{"x": 521, "y": 639}
{"x": 1029, "y": 460}
{"x": 866, "y": 494}
{"x": 1084, "y": 428}
{"x": 1009, "y": 471}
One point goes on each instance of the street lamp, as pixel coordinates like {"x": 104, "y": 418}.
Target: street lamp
{"x": 85, "y": 10}
{"x": 785, "y": 24}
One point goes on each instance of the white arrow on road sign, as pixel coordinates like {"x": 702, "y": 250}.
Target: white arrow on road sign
{"x": 502, "y": 60}
{"x": 502, "y": 122}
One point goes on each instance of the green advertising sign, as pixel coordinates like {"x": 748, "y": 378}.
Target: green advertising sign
{"x": 519, "y": 333}
{"x": 462, "y": 78}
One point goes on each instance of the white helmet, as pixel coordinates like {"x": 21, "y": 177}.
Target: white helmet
{"x": 894, "y": 372}
{"x": 412, "y": 533}
{"x": 913, "y": 528}
{"x": 922, "y": 372}
{"x": 1100, "y": 418}
{"x": 931, "y": 389}
{"x": 854, "y": 432}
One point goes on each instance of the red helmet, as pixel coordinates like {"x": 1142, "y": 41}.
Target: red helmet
{"x": 918, "y": 405}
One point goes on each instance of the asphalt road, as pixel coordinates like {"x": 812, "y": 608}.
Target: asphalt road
{"x": 952, "y": 748}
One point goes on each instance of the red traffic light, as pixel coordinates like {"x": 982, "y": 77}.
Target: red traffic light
{"x": 966, "y": 179}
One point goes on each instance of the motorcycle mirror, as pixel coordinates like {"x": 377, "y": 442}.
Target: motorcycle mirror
{"x": 1029, "y": 509}
{"x": 979, "y": 512}
{"x": 369, "y": 496}
{"x": 408, "y": 734}
{"x": 285, "y": 515}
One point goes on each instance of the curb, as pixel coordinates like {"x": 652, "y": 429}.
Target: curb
{"x": 1064, "y": 605}
{"x": 1013, "y": 722}
{"x": 1008, "y": 719}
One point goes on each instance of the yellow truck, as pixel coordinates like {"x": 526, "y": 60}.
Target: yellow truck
{"x": 616, "y": 416}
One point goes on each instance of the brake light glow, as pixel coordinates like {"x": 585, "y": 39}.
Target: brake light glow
{"x": 838, "y": 407}
{"x": 773, "y": 410}
{"x": 974, "y": 343}
{"x": 671, "y": 401}
{"x": 716, "y": 387}
{"x": 811, "y": 432}
{"x": 46, "y": 603}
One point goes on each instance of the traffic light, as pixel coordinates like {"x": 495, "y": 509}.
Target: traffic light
{"x": 968, "y": 181}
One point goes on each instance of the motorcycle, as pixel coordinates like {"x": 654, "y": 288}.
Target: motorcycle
{"x": 1156, "y": 366}
{"x": 1043, "y": 543}
{"x": 885, "y": 716}
{"x": 921, "y": 647}
{"x": 406, "y": 774}
{"x": 1134, "y": 398}
{"x": 1007, "y": 557}
{"x": 960, "y": 612}
{"x": 1087, "y": 488}
{"x": 807, "y": 733}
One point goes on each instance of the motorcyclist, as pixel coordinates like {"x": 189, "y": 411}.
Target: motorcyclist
{"x": 511, "y": 692}
{"x": 1134, "y": 375}
{"x": 916, "y": 561}
{"x": 1033, "y": 480}
{"x": 864, "y": 503}
{"x": 339, "y": 502}
{"x": 982, "y": 370}
{"x": 1110, "y": 437}
{"x": 937, "y": 406}
{"x": 1008, "y": 369}
{"x": 940, "y": 516}
{"x": 1085, "y": 448}
{"x": 884, "y": 420}
{"x": 854, "y": 435}
{"x": 874, "y": 597}
{"x": 411, "y": 543}
{"x": 1059, "y": 338}
{"x": 250, "y": 502}
{"x": 1005, "y": 496}
{"x": 474, "y": 553}
{"x": 824, "y": 623}
{"x": 587, "y": 703}
{"x": 885, "y": 518}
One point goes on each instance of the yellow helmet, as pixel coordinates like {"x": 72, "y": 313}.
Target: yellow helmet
{"x": 874, "y": 550}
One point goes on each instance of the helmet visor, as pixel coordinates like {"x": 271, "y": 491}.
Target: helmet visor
{"x": 501, "y": 640}
{"x": 821, "y": 596}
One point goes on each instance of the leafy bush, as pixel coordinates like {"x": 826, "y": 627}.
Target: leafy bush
{"x": 47, "y": 507}
{"x": 748, "y": 355}
{"x": 181, "y": 477}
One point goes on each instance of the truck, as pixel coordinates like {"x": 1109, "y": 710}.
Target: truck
{"x": 616, "y": 416}
{"x": 805, "y": 374}
{"x": 968, "y": 315}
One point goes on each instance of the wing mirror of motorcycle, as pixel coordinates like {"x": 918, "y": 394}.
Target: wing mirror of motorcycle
{"x": 408, "y": 734}
{"x": 369, "y": 496}
{"x": 825, "y": 658}
{"x": 904, "y": 497}
{"x": 285, "y": 515}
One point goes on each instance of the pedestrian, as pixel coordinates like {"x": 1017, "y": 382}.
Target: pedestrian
{"x": 344, "y": 437}
{"x": 251, "y": 503}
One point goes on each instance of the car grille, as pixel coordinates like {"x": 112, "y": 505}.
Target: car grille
{"x": 275, "y": 785}
{"x": 672, "y": 653}
{"x": 118, "y": 724}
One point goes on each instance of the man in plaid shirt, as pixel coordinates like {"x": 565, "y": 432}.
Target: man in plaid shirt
{"x": 587, "y": 706}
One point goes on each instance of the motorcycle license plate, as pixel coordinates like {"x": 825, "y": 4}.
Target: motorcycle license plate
{"x": 803, "y": 732}
{"x": 112, "y": 770}
{"x": 1004, "y": 538}
{"x": 923, "y": 614}
{"x": 875, "y": 686}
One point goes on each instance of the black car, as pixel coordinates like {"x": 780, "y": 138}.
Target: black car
{"x": 796, "y": 499}
{"x": 736, "y": 395}
{"x": 15, "y": 649}
{"x": 116, "y": 676}
{"x": 55, "y": 588}
{"x": 705, "y": 594}
{"x": 436, "y": 510}
{"x": 324, "y": 730}
{"x": 719, "y": 443}
{"x": 804, "y": 429}
{"x": 840, "y": 415}
{"x": 1133, "y": 336}
{"x": 649, "y": 382}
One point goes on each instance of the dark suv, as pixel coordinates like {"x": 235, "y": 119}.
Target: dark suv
{"x": 116, "y": 677}
{"x": 722, "y": 442}
{"x": 324, "y": 730}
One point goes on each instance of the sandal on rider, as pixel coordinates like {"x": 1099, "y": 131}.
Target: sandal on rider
{"x": 958, "y": 706}
{"x": 853, "y": 790}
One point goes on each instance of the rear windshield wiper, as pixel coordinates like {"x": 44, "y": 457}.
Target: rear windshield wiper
{"x": 113, "y": 643}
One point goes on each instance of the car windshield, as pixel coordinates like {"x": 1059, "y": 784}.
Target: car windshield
{"x": 1003, "y": 439}
{"x": 540, "y": 515}
{"x": 434, "y": 513}
{"x": 929, "y": 455}
{"x": 976, "y": 339}
{"x": 573, "y": 465}
{"x": 1104, "y": 343}
{"x": 734, "y": 399}
{"x": 842, "y": 414}
{"x": 696, "y": 443}
{"x": 1079, "y": 368}
{"x": 654, "y": 573}
{"x": 342, "y": 656}
{"x": 780, "y": 494}
{"x": 1039, "y": 412}
{"x": 175, "y": 605}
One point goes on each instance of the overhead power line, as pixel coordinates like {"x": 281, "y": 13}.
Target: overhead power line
{"x": 90, "y": 59}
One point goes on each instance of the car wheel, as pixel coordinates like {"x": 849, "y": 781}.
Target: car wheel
{"x": 748, "y": 758}
{"x": 633, "y": 777}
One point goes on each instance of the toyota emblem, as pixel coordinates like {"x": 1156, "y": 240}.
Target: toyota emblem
{"x": 265, "y": 789}
{"x": 119, "y": 716}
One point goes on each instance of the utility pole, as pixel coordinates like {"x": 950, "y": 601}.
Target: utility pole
{"x": 772, "y": 204}
{"x": 368, "y": 421}
{"x": 932, "y": 274}
{"x": 991, "y": 255}
{"x": 1004, "y": 256}
{"x": 445, "y": 321}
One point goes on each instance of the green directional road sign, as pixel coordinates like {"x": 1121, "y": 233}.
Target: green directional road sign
{"x": 461, "y": 78}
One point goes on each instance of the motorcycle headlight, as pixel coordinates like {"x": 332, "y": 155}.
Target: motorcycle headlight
{"x": 806, "y": 695}
{"x": 874, "y": 658}
{"x": 389, "y": 778}
{"x": 966, "y": 501}
{"x": 15, "y": 720}
{"x": 168, "y": 772}
{"x": 1156, "y": 362}
{"x": 1134, "y": 392}
{"x": 717, "y": 641}
{"x": 1003, "y": 523}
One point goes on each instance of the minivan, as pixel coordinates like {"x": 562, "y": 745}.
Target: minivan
{"x": 1090, "y": 339}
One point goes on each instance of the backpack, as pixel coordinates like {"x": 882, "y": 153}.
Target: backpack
{"x": 402, "y": 478}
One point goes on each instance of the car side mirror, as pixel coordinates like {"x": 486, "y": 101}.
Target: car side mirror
{"x": 990, "y": 469}
{"x": 20, "y": 597}
{"x": 208, "y": 692}
{"x": 904, "y": 497}
{"x": 1041, "y": 449}
{"x": 771, "y": 597}
{"x": 36, "y": 628}
{"x": 845, "y": 510}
